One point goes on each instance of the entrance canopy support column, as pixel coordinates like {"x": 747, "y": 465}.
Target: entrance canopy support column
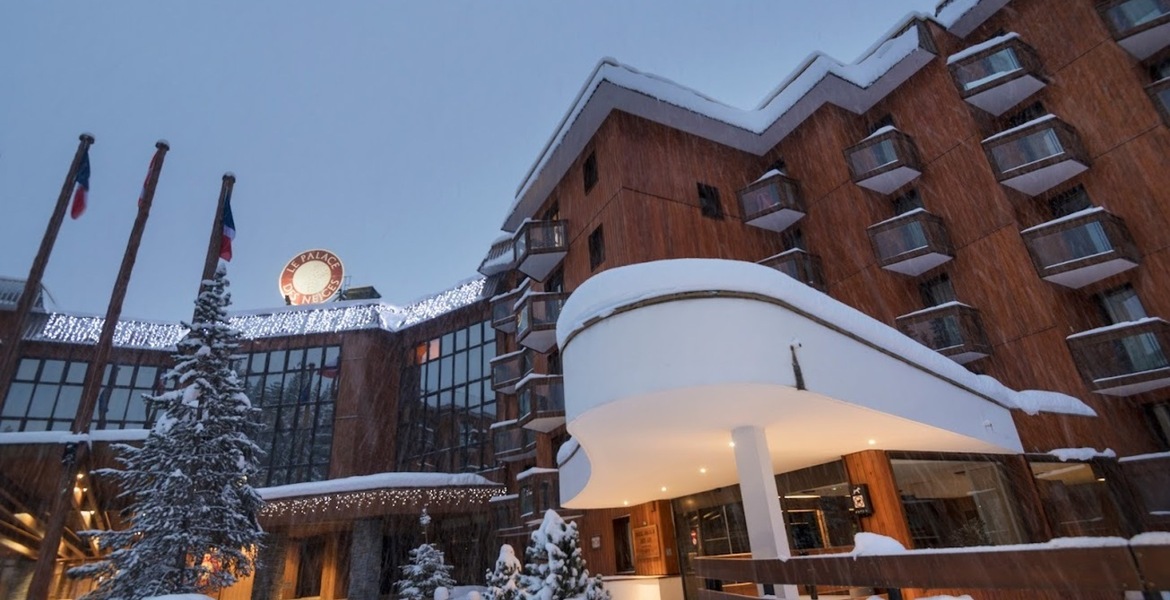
{"x": 761, "y": 500}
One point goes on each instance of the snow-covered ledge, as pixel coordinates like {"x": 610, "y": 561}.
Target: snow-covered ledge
{"x": 663, "y": 360}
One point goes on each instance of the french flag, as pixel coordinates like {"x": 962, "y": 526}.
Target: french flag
{"x": 229, "y": 230}
{"x": 82, "y": 182}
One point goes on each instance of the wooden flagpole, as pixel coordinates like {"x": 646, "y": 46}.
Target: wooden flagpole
{"x": 32, "y": 285}
{"x": 75, "y": 455}
{"x": 213, "y": 243}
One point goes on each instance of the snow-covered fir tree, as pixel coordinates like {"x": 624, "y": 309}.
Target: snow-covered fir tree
{"x": 426, "y": 572}
{"x": 192, "y": 524}
{"x": 553, "y": 566}
{"x": 503, "y": 582}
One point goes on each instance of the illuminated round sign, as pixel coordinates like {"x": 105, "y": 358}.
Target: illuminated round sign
{"x": 310, "y": 277}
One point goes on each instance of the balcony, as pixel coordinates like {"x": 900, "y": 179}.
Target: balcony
{"x": 538, "y": 492}
{"x": 540, "y": 247}
{"x": 1036, "y": 156}
{"x": 513, "y": 442}
{"x": 1160, "y": 94}
{"x": 884, "y": 161}
{"x": 537, "y": 320}
{"x": 504, "y": 309}
{"x": 542, "y": 402}
{"x": 911, "y": 243}
{"x": 507, "y": 512}
{"x": 771, "y": 202}
{"x": 500, "y": 258}
{"x": 1124, "y": 359}
{"x": 508, "y": 369}
{"x": 799, "y": 265}
{"x": 997, "y": 74}
{"x": 952, "y": 329}
{"x": 1142, "y": 27}
{"x": 1082, "y": 248}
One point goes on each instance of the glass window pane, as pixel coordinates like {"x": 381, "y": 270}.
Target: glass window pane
{"x": 476, "y": 335}
{"x": 125, "y": 374}
{"x": 19, "y": 395}
{"x": 27, "y": 371}
{"x": 475, "y": 363}
{"x": 145, "y": 377}
{"x": 77, "y": 371}
{"x": 276, "y": 361}
{"x": 447, "y": 367}
{"x": 53, "y": 371}
{"x": 43, "y": 399}
{"x": 461, "y": 339}
{"x": 67, "y": 402}
{"x": 117, "y": 405}
{"x": 460, "y": 368}
{"x": 135, "y": 408}
{"x": 256, "y": 365}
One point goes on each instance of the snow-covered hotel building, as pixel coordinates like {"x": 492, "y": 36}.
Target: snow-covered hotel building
{"x": 954, "y": 334}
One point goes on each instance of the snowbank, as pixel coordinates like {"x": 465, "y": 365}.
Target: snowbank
{"x": 610, "y": 291}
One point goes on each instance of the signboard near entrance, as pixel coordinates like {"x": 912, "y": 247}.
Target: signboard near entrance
{"x": 311, "y": 277}
{"x": 646, "y": 542}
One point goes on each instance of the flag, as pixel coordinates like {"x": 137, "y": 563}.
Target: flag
{"x": 81, "y": 180}
{"x": 229, "y": 230}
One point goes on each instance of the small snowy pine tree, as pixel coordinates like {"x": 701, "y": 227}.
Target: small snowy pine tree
{"x": 192, "y": 524}
{"x": 503, "y": 582}
{"x": 426, "y": 572}
{"x": 554, "y": 568}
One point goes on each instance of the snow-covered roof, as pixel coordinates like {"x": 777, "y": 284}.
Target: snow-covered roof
{"x": 11, "y": 289}
{"x": 67, "y": 437}
{"x": 637, "y": 283}
{"x": 818, "y": 80}
{"x": 265, "y": 323}
{"x": 362, "y": 483}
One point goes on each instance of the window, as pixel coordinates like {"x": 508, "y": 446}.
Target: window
{"x": 554, "y": 363}
{"x": 447, "y": 404}
{"x": 590, "y": 172}
{"x": 556, "y": 281}
{"x": 1159, "y": 417}
{"x": 553, "y": 213}
{"x": 958, "y": 501}
{"x": 1028, "y": 113}
{"x": 709, "y": 203}
{"x": 907, "y": 202}
{"x": 886, "y": 120}
{"x": 296, "y": 391}
{"x": 596, "y": 248}
{"x": 1160, "y": 70}
{"x": 623, "y": 545}
{"x": 1069, "y": 201}
{"x": 1121, "y": 304}
{"x": 793, "y": 238}
{"x": 937, "y": 290}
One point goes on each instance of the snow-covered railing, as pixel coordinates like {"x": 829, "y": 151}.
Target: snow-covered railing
{"x": 1069, "y": 565}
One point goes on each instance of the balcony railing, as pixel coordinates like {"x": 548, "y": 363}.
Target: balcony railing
{"x": 537, "y": 320}
{"x": 884, "y": 161}
{"x": 507, "y": 369}
{"x": 1036, "y": 156}
{"x": 1124, "y": 359}
{"x": 952, "y": 329}
{"x": 997, "y": 74}
{"x": 911, "y": 243}
{"x": 507, "y": 511}
{"x": 504, "y": 310}
{"x": 1082, "y": 248}
{"x": 799, "y": 265}
{"x": 500, "y": 258}
{"x": 540, "y": 246}
{"x": 1160, "y": 94}
{"x": 513, "y": 442}
{"x": 771, "y": 202}
{"x": 539, "y": 492}
{"x": 1142, "y": 27}
{"x": 542, "y": 402}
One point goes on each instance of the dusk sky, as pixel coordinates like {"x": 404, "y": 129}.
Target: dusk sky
{"x": 392, "y": 133}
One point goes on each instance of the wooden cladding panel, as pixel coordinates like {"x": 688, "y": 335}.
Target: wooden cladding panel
{"x": 872, "y": 467}
{"x": 366, "y": 414}
{"x": 600, "y": 523}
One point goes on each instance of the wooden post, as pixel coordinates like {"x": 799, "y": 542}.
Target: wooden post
{"x": 32, "y": 285}
{"x": 213, "y": 243}
{"x": 43, "y": 573}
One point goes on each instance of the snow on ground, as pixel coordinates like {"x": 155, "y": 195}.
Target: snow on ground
{"x": 610, "y": 291}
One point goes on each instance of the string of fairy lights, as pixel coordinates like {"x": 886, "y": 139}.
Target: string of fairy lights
{"x": 385, "y": 498}
{"x": 73, "y": 329}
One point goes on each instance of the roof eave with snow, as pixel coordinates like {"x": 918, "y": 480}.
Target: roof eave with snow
{"x": 817, "y": 81}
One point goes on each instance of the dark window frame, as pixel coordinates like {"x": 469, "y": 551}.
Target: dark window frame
{"x": 589, "y": 172}
{"x": 709, "y": 203}
{"x": 596, "y": 248}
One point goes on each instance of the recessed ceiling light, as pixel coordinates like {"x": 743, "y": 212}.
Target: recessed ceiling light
{"x": 625, "y": 502}
{"x": 872, "y": 442}
{"x": 732, "y": 444}
{"x": 703, "y": 470}
{"x": 664, "y": 488}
